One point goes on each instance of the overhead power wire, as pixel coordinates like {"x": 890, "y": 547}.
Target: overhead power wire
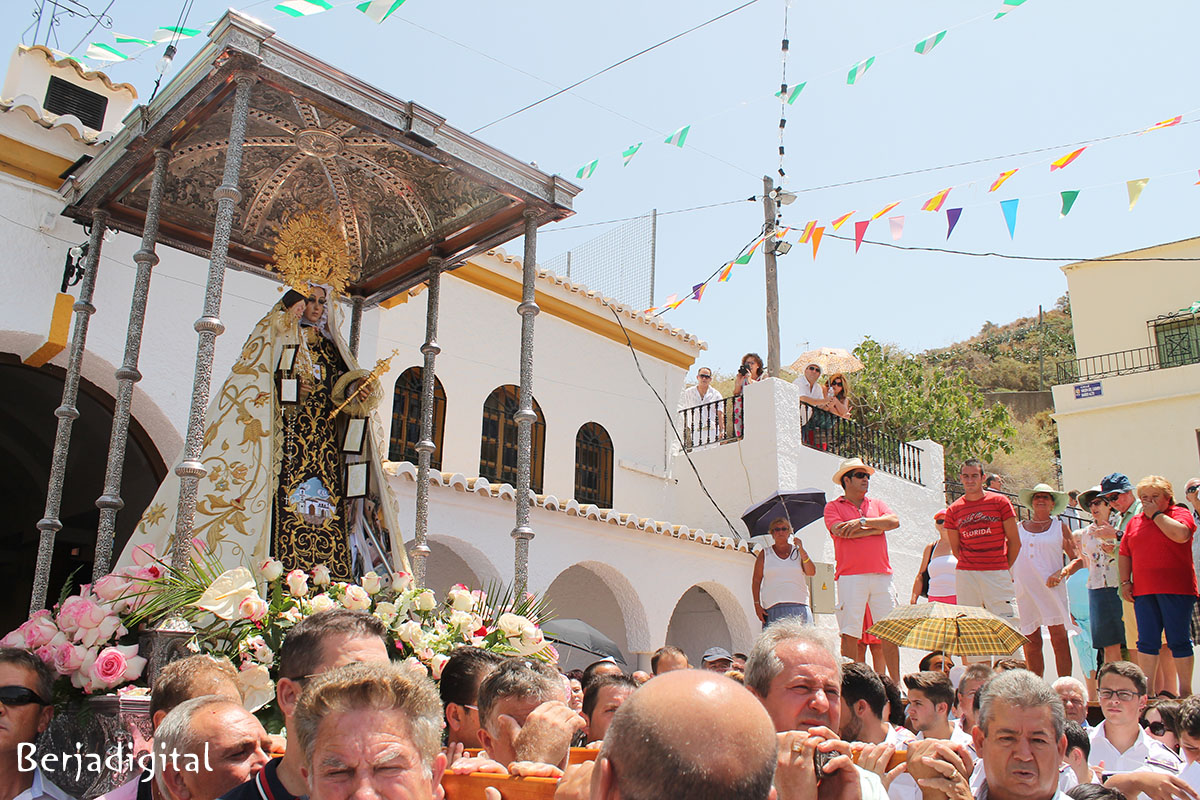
{"x": 1010, "y": 256}
{"x": 614, "y": 65}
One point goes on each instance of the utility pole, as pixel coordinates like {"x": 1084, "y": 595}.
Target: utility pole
{"x": 772, "y": 278}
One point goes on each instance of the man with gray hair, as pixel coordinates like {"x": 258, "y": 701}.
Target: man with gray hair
{"x": 523, "y": 716}
{"x": 370, "y": 729}
{"x": 1020, "y": 738}
{"x": 1073, "y": 694}
{"x": 206, "y": 746}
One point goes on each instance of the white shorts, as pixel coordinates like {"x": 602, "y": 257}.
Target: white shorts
{"x": 990, "y": 588}
{"x": 857, "y": 592}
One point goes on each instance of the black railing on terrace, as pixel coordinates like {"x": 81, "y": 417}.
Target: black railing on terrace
{"x": 1076, "y": 518}
{"x": 712, "y": 423}
{"x": 1176, "y": 338}
{"x": 849, "y": 439}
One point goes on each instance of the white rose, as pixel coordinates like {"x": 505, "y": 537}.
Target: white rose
{"x": 401, "y": 581}
{"x": 511, "y": 624}
{"x": 253, "y": 608}
{"x": 409, "y": 632}
{"x": 437, "y": 664}
{"x": 460, "y": 599}
{"x": 297, "y": 582}
{"x": 461, "y": 620}
{"x": 356, "y": 598}
{"x": 256, "y": 687}
{"x": 320, "y": 575}
{"x": 321, "y": 602}
{"x": 425, "y": 601}
{"x": 372, "y": 583}
{"x": 263, "y": 654}
{"x": 386, "y": 612}
{"x": 271, "y": 569}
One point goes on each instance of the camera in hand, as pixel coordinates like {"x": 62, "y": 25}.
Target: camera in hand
{"x": 743, "y": 370}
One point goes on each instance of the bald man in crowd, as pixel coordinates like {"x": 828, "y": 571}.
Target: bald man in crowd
{"x": 219, "y": 745}
{"x": 687, "y": 733}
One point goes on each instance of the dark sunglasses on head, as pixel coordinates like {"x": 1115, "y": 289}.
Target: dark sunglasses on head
{"x": 20, "y": 696}
{"x": 1156, "y": 728}
{"x": 860, "y": 474}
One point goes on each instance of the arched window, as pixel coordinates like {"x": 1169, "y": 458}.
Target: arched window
{"x": 498, "y": 456}
{"x": 406, "y": 418}
{"x": 594, "y": 465}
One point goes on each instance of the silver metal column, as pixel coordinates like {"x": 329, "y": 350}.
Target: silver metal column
{"x": 356, "y": 312}
{"x": 110, "y": 501}
{"x": 425, "y": 446}
{"x": 50, "y": 525}
{"x": 525, "y": 416}
{"x": 209, "y": 326}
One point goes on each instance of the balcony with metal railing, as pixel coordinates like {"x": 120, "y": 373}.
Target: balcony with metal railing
{"x": 1176, "y": 343}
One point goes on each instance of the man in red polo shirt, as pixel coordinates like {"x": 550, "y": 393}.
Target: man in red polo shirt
{"x": 859, "y": 525}
{"x": 982, "y": 529}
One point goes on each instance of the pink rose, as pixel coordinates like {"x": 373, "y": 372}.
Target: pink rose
{"x": 253, "y": 608}
{"x": 38, "y": 629}
{"x": 437, "y": 665}
{"x": 356, "y": 598}
{"x": 297, "y": 582}
{"x": 14, "y": 639}
{"x": 111, "y": 587}
{"x": 80, "y": 613}
{"x": 401, "y": 581}
{"x": 108, "y": 628}
{"x": 82, "y": 678}
{"x": 68, "y": 658}
{"x": 115, "y": 665}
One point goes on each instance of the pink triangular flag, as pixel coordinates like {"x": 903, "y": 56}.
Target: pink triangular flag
{"x": 897, "y": 224}
{"x": 860, "y": 230}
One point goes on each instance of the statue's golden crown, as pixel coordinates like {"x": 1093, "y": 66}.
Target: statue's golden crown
{"x": 310, "y": 250}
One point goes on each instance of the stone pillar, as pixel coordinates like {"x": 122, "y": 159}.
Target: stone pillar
{"x": 525, "y": 415}
{"x": 426, "y": 446}
{"x": 110, "y": 501}
{"x": 356, "y": 313}
{"x": 209, "y": 326}
{"x": 50, "y": 525}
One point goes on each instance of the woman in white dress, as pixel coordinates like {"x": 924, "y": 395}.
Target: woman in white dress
{"x": 1039, "y": 577}
{"x": 941, "y": 565}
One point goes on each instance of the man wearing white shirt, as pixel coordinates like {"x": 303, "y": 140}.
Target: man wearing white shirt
{"x": 863, "y": 700}
{"x": 707, "y": 421}
{"x": 1129, "y": 760}
{"x": 1020, "y": 738}
{"x": 966, "y": 702}
{"x": 26, "y": 686}
{"x": 930, "y": 696}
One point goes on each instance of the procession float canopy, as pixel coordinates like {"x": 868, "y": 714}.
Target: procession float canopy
{"x": 401, "y": 184}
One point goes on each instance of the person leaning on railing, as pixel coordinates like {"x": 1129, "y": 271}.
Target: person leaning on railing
{"x": 707, "y": 422}
{"x": 750, "y": 371}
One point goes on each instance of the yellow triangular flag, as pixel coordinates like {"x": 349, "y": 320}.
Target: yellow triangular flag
{"x": 1135, "y": 190}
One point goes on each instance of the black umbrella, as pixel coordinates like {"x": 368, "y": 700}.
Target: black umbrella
{"x": 800, "y": 507}
{"x": 578, "y": 634}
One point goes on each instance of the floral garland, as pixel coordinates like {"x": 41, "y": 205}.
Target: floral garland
{"x": 89, "y": 638}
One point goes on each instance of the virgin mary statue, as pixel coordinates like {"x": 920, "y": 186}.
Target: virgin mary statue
{"x": 292, "y": 452}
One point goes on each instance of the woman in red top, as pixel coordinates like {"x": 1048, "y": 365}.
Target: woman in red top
{"x": 1158, "y": 577}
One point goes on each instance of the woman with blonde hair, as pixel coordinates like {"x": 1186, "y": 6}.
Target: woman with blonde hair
{"x": 837, "y": 392}
{"x": 1155, "y": 561}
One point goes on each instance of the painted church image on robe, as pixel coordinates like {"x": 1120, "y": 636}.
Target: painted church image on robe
{"x": 628, "y": 535}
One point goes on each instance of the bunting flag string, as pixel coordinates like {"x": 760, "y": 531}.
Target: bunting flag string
{"x": 840, "y": 221}
{"x": 629, "y": 152}
{"x": 808, "y": 229}
{"x": 1068, "y": 200}
{"x": 698, "y": 291}
{"x": 588, "y": 169}
{"x": 935, "y": 203}
{"x": 816, "y": 240}
{"x": 792, "y": 92}
{"x": 379, "y": 10}
{"x": 1003, "y": 177}
{"x": 926, "y": 45}
{"x": 860, "y": 230}
{"x": 859, "y": 69}
{"x": 98, "y": 51}
{"x": 1166, "y": 123}
{"x": 725, "y": 273}
{"x": 1135, "y": 190}
{"x": 884, "y": 210}
{"x": 303, "y": 8}
{"x": 1009, "y": 207}
{"x": 679, "y": 136}
{"x": 897, "y": 225}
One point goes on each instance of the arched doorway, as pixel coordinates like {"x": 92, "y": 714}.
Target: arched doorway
{"x": 452, "y": 560}
{"x": 697, "y": 623}
{"x": 580, "y": 593}
{"x": 27, "y": 431}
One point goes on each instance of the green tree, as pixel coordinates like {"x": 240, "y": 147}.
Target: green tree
{"x": 905, "y": 396}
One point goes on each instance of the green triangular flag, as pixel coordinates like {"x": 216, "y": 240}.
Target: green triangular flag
{"x": 379, "y": 10}
{"x": 858, "y": 69}
{"x": 1068, "y": 200}
{"x": 587, "y": 169}
{"x": 99, "y": 51}
{"x": 629, "y": 152}
{"x": 303, "y": 8}
{"x": 792, "y": 92}
{"x": 744, "y": 258}
{"x": 925, "y": 45}
{"x": 168, "y": 32}
{"x": 678, "y": 137}
{"x": 123, "y": 39}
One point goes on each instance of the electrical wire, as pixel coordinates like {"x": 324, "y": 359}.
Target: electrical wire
{"x": 1009, "y": 256}
{"x": 671, "y": 421}
{"x": 613, "y": 66}
{"x": 639, "y": 216}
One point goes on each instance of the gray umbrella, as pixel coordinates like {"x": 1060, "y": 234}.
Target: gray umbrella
{"x": 578, "y": 634}
{"x": 802, "y": 507}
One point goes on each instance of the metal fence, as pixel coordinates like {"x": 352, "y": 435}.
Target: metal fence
{"x": 848, "y": 439}
{"x": 1076, "y": 518}
{"x": 712, "y": 423}
{"x": 619, "y": 263}
{"x": 1176, "y": 338}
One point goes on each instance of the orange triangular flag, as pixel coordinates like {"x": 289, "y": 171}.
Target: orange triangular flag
{"x": 1065, "y": 160}
{"x": 816, "y": 240}
{"x": 996, "y": 184}
{"x": 840, "y": 221}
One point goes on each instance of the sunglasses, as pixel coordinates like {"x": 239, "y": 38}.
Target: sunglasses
{"x": 1191, "y": 490}
{"x": 20, "y": 696}
{"x": 836, "y": 383}
{"x": 859, "y": 475}
{"x": 812, "y": 369}
{"x": 704, "y": 377}
{"x": 1155, "y": 728}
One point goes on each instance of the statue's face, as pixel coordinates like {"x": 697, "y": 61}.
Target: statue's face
{"x": 314, "y": 308}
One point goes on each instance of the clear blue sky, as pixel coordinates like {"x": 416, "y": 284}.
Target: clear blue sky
{"x": 1049, "y": 73}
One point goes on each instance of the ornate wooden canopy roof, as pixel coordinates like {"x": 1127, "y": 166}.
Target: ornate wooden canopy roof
{"x": 399, "y": 183}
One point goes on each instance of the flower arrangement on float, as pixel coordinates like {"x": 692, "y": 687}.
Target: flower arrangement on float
{"x": 90, "y": 638}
